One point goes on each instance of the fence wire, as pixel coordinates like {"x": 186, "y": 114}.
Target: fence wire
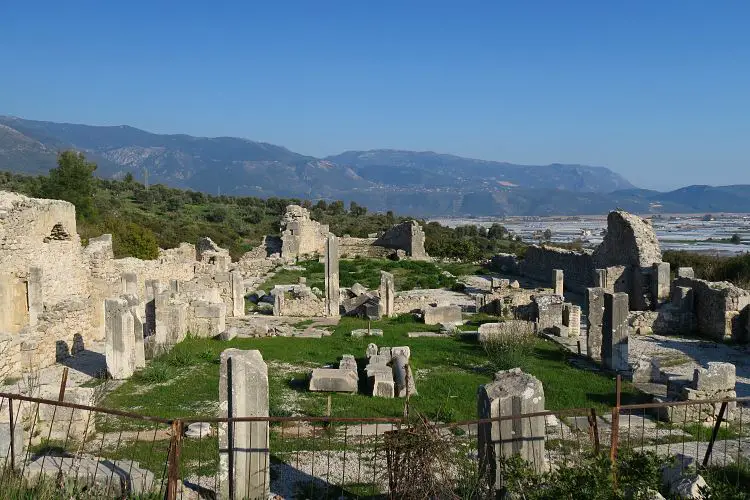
{"x": 60, "y": 449}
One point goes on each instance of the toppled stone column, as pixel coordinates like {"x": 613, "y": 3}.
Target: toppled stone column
{"x": 387, "y": 291}
{"x": 35, "y": 295}
{"x": 243, "y": 392}
{"x": 572, "y": 319}
{"x": 595, "y": 308}
{"x": 660, "y": 283}
{"x": 513, "y": 392}
{"x": 332, "y": 295}
{"x": 403, "y": 376}
{"x": 129, "y": 284}
{"x": 558, "y": 277}
{"x": 238, "y": 293}
{"x": 615, "y": 331}
{"x": 119, "y": 339}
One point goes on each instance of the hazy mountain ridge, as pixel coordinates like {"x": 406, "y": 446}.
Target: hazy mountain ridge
{"x": 407, "y": 182}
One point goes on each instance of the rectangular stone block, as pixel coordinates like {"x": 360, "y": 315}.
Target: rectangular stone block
{"x": 238, "y": 294}
{"x": 386, "y": 351}
{"x": 557, "y": 280}
{"x": 548, "y": 310}
{"x": 595, "y": 307}
{"x": 572, "y": 319}
{"x": 129, "y": 284}
{"x": 333, "y": 380}
{"x": 348, "y": 362}
{"x": 332, "y": 294}
{"x": 716, "y": 378}
{"x": 435, "y": 315}
{"x": 119, "y": 339}
{"x": 243, "y": 392}
{"x": 378, "y": 359}
{"x": 685, "y": 272}
{"x": 401, "y": 351}
{"x": 615, "y": 331}
{"x": 661, "y": 281}
{"x": 383, "y": 385}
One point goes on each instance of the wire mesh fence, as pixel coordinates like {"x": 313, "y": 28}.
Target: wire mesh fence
{"x": 54, "y": 448}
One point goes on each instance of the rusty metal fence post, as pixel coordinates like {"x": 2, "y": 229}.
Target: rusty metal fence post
{"x": 615, "y": 429}
{"x": 715, "y": 433}
{"x": 174, "y": 460}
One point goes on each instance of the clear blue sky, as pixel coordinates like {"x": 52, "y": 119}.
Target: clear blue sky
{"x": 657, "y": 90}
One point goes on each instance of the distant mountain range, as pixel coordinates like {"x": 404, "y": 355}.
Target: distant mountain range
{"x": 407, "y": 182}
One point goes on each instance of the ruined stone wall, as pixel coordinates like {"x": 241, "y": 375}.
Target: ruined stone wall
{"x": 42, "y": 233}
{"x": 300, "y": 235}
{"x": 721, "y": 309}
{"x": 407, "y": 236}
{"x": 299, "y": 305}
{"x": 578, "y": 267}
{"x": 630, "y": 241}
{"x": 350, "y": 248}
{"x": 173, "y": 264}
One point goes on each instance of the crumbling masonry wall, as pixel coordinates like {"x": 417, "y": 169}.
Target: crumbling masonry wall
{"x": 578, "y": 268}
{"x": 721, "y": 309}
{"x": 407, "y": 236}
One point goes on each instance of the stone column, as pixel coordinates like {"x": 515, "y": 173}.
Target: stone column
{"x": 595, "y": 307}
{"x": 572, "y": 319}
{"x": 660, "y": 283}
{"x": 333, "y": 296}
{"x": 558, "y": 277}
{"x": 119, "y": 339}
{"x": 387, "y": 292}
{"x": 243, "y": 392}
{"x": 601, "y": 278}
{"x": 513, "y": 392}
{"x": 615, "y": 331}
{"x": 139, "y": 328}
{"x": 153, "y": 288}
{"x": 129, "y": 284}
{"x": 35, "y": 295}
{"x": 238, "y": 293}
{"x": 170, "y": 319}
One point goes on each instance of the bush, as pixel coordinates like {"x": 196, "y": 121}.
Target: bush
{"x": 508, "y": 349}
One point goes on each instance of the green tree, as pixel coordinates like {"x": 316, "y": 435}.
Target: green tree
{"x": 132, "y": 240}
{"x": 736, "y": 239}
{"x": 73, "y": 181}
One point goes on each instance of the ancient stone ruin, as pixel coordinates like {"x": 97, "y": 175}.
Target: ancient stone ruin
{"x": 303, "y": 237}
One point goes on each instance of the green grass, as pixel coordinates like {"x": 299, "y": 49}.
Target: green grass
{"x": 407, "y": 274}
{"x": 448, "y": 372}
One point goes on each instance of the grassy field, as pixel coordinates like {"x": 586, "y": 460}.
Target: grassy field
{"x": 448, "y": 373}
{"x": 407, "y": 274}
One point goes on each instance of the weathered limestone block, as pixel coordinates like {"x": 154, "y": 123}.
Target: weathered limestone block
{"x": 209, "y": 320}
{"x": 720, "y": 308}
{"x": 333, "y": 380}
{"x": 513, "y": 392}
{"x": 387, "y": 292}
{"x": 595, "y": 307}
{"x": 383, "y": 385}
{"x": 386, "y": 351}
{"x": 332, "y": 294}
{"x": 243, "y": 392}
{"x": 660, "y": 282}
{"x": 685, "y": 272}
{"x": 488, "y": 331}
{"x": 358, "y": 289}
{"x": 401, "y": 351}
{"x": 348, "y": 362}
{"x": 403, "y": 377}
{"x": 716, "y": 378}
{"x": 548, "y": 311}
{"x": 120, "y": 341}
{"x": 365, "y": 332}
{"x": 434, "y": 315}
{"x": 557, "y": 280}
{"x": 572, "y": 319}
{"x": 378, "y": 359}
{"x": 615, "y": 331}
{"x": 170, "y": 318}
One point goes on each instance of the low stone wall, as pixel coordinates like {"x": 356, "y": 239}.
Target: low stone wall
{"x": 350, "y": 248}
{"x": 721, "y": 309}
{"x": 539, "y": 263}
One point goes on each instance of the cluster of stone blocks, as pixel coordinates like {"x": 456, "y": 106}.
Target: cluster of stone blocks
{"x": 441, "y": 315}
{"x": 345, "y": 378}
{"x": 388, "y": 371}
{"x": 374, "y": 305}
{"x": 717, "y": 381}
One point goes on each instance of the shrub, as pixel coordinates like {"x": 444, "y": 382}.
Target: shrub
{"x": 508, "y": 349}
